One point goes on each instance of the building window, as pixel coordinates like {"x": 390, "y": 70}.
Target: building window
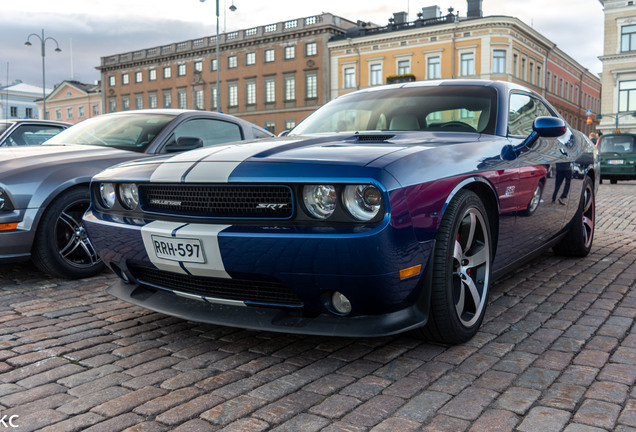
{"x": 152, "y": 74}
{"x": 250, "y": 93}
{"x": 232, "y": 95}
{"x": 290, "y": 124}
{"x": 555, "y": 86}
{"x": 167, "y": 99}
{"x": 95, "y": 110}
{"x": 232, "y": 62}
{"x": 467, "y": 63}
{"x": 58, "y": 114}
{"x": 311, "y": 86}
{"x": 270, "y": 125}
{"x": 199, "y": 99}
{"x": 182, "y": 98}
{"x": 139, "y": 76}
{"x": 112, "y": 106}
{"x": 628, "y": 38}
{"x": 626, "y": 96}
{"x": 539, "y": 77}
{"x": 80, "y": 111}
{"x": 290, "y": 88}
{"x": 561, "y": 87}
{"x": 515, "y": 64}
{"x": 499, "y": 61}
{"x": 311, "y": 49}
{"x": 181, "y": 69}
{"x": 112, "y": 81}
{"x": 290, "y": 52}
{"x": 167, "y": 72}
{"x": 250, "y": 58}
{"x": 375, "y": 74}
{"x": 270, "y": 91}
{"x": 125, "y": 79}
{"x": 523, "y": 69}
{"x": 214, "y": 99}
{"x": 404, "y": 67}
{"x": 29, "y": 112}
{"x": 434, "y": 67}
{"x": 270, "y": 55}
{"x": 69, "y": 113}
{"x": 213, "y": 65}
{"x": 531, "y": 72}
{"x": 139, "y": 101}
{"x": 349, "y": 77}
{"x": 198, "y": 66}
{"x": 125, "y": 103}
{"x": 152, "y": 100}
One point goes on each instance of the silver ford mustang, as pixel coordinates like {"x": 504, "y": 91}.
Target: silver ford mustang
{"x": 44, "y": 189}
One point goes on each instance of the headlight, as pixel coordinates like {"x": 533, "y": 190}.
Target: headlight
{"x": 107, "y": 194}
{"x": 129, "y": 195}
{"x": 5, "y": 204}
{"x": 320, "y": 200}
{"x": 362, "y": 201}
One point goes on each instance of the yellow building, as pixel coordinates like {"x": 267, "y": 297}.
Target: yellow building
{"x": 618, "y": 99}
{"x": 450, "y": 46}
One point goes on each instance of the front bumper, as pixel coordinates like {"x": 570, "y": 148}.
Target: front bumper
{"x": 312, "y": 263}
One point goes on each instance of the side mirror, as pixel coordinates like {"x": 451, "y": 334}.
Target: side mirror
{"x": 184, "y": 144}
{"x": 544, "y": 127}
{"x": 549, "y": 127}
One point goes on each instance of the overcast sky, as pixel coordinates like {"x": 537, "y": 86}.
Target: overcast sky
{"x": 87, "y": 30}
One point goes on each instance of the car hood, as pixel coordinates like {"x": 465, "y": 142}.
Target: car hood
{"x": 340, "y": 149}
{"x": 20, "y": 157}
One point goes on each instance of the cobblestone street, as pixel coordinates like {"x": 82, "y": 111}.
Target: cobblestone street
{"x": 557, "y": 352}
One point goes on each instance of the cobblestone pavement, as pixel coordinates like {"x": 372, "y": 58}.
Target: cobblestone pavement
{"x": 557, "y": 351}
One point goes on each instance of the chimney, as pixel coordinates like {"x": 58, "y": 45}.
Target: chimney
{"x": 399, "y": 17}
{"x": 474, "y": 9}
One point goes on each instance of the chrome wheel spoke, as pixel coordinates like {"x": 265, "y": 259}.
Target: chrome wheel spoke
{"x": 479, "y": 258}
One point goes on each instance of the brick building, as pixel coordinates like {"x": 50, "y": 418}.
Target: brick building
{"x": 272, "y": 75}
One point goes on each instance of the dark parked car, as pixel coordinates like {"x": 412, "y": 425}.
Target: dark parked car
{"x": 28, "y": 132}
{"x": 386, "y": 210}
{"x": 618, "y": 157}
{"x": 44, "y": 189}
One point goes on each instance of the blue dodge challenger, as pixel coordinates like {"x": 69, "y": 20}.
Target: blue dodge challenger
{"x": 388, "y": 209}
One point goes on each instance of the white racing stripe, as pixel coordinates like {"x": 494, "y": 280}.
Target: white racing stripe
{"x": 207, "y": 234}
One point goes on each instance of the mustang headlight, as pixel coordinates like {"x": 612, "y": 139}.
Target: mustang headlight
{"x": 320, "y": 200}
{"x": 5, "y": 204}
{"x": 362, "y": 201}
{"x": 129, "y": 195}
{"x": 107, "y": 194}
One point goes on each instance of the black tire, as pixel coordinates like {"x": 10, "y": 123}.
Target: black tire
{"x": 578, "y": 240}
{"x": 461, "y": 271}
{"x": 61, "y": 247}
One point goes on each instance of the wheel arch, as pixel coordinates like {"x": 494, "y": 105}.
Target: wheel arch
{"x": 486, "y": 192}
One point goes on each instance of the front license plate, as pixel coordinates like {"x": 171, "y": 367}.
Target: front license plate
{"x": 178, "y": 249}
{"x": 616, "y": 162}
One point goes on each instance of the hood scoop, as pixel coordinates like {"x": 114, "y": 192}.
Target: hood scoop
{"x": 371, "y": 138}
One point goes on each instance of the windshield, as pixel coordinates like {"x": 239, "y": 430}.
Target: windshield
{"x": 132, "y": 132}
{"x": 617, "y": 144}
{"x": 435, "y": 108}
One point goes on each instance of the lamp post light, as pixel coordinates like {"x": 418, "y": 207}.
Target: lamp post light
{"x": 43, "y": 44}
{"x": 218, "y": 59}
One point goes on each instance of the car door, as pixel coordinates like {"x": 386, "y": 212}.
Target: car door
{"x": 544, "y": 175}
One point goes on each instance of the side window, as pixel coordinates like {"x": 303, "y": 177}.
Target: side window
{"x": 211, "y": 131}
{"x": 523, "y": 110}
{"x": 259, "y": 133}
{"x": 33, "y": 134}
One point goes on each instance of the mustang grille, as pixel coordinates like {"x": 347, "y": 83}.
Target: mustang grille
{"x": 263, "y": 292}
{"x": 218, "y": 201}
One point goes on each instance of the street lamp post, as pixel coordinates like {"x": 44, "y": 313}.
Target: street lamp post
{"x": 218, "y": 59}
{"x": 43, "y": 44}
{"x": 616, "y": 116}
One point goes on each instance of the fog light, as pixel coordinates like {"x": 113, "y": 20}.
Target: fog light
{"x": 340, "y": 303}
